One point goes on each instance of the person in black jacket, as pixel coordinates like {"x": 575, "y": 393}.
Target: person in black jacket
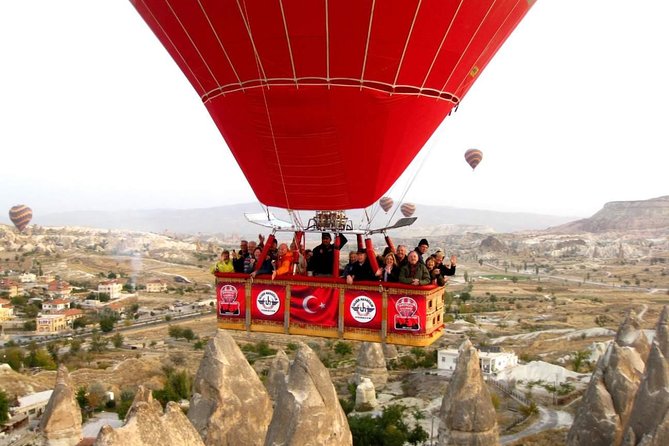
{"x": 446, "y": 270}
{"x": 322, "y": 257}
{"x": 361, "y": 270}
{"x": 390, "y": 271}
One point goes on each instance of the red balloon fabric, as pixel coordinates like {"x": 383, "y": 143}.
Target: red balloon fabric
{"x": 325, "y": 103}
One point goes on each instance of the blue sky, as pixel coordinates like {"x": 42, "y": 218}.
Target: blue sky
{"x": 570, "y": 114}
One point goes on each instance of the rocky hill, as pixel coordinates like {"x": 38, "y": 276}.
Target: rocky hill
{"x": 643, "y": 215}
{"x": 229, "y": 220}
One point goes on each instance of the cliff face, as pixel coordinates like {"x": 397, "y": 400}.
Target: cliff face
{"x": 650, "y": 214}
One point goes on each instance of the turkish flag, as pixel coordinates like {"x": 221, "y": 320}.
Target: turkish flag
{"x": 314, "y": 306}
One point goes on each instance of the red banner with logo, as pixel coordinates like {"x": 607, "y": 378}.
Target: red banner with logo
{"x": 362, "y": 309}
{"x": 267, "y": 302}
{"x": 314, "y": 306}
{"x": 406, "y": 313}
{"x": 230, "y": 300}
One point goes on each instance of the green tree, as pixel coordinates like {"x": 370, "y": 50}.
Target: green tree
{"x": 82, "y": 400}
{"x": 117, "y": 340}
{"x": 175, "y": 331}
{"x": 177, "y": 386}
{"x": 98, "y": 344}
{"x": 14, "y": 357}
{"x": 40, "y": 358}
{"x": 579, "y": 358}
{"x": 107, "y": 324}
{"x": 343, "y": 348}
{"x": 31, "y": 311}
{"x": 80, "y": 322}
{"x": 104, "y": 297}
{"x": 127, "y": 396}
{"x": 30, "y": 325}
{"x": 188, "y": 334}
{"x": 75, "y": 346}
{"x": 388, "y": 429}
{"x": 4, "y": 407}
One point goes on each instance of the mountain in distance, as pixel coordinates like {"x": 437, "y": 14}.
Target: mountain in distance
{"x": 229, "y": 220}
{"x": 623, "y": 216}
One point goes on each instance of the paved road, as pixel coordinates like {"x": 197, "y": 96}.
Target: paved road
{"x": 548, "y": 419}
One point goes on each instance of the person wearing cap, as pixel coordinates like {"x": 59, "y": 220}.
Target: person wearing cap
{"x": 322, "y": 258}
{"x": 421, "y": 250}
{"x": 361, "y": 270}
{"x": 414, "y": 272}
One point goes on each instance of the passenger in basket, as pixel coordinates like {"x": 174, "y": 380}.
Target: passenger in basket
{"x": 238, "y": 258}
{"x": 435, "y": 273}
{"x": 414, "y": 272}
{"x": 401, "y": 256}
{"x": 446, "y": 270}
{"x": 389, "y": 272}
{"x": 301, "y": 259}
{"x": 265, "y": 268}
{"x": 224, "y": 265}
{"x": 421, "y": 250}
{"x": 284, "y": 262}
{"x": 322, "y": 257}
{"x": 352, "y": 260}
{"x": 361, "y": 270}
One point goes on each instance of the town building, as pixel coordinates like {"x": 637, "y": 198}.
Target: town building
{"x": 71, "y": 315}
{"x": 55, "y": 306}
{"x": 491, "y": 359}
{"x": 9, "y": 287}
{"x": 27, "y": 278}
{"x": 6, "y": 310}
{"x": 59, "y": 288}
{"x": 51, "y": 323}
{"x": 111, "y": 287}
{"x": 32, "y": 405}
{"x": 156, "y": 286}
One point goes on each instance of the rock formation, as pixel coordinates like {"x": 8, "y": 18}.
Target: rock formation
{"x": 467, "y": 415}
{"x": 607, "y": 403}
{"x": 365, "y": 395}
{"x": 662, "y": 332}
{"x": 147, "y": 425}
{"x": 61, "y": 422}
{"x": 630, "y": 334}
{"x": 371, "y": 364}
{"x": 307, "y": 410}
{"x": 649, "y": 421}
{"x": 278, "y": 372}
{"x": 230, "y": 405}
{"x": 390, "y": 351}
{"x": 143, "y": 395}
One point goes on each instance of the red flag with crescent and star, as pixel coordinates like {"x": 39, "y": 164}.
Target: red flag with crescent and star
{"x": 314, "y": 306}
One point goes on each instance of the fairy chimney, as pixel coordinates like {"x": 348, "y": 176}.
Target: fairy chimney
{"x": 61, "y": 422}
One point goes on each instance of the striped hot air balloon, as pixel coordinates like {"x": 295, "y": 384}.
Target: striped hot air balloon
{"x": 473, "y": 157}
{"x": 20, "y": 215}
{"x": 386, "y": 203}
{"x": 407, "y": 209}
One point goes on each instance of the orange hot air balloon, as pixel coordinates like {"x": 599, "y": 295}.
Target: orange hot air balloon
{"x": 20, "y": 215}
{"x": 408, "y": 209}
{"x": 386, "y": 203}
{"x": 473, "y": 157}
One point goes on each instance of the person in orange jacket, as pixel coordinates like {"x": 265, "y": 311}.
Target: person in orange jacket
{"x": 284, "y": 262}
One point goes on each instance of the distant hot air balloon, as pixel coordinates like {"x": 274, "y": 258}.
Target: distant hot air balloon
{"x": 408, "y": 209}
{"x": 20, "y": 215}
{"x": 386, "y": 203}
{"x": 473, "y": 157}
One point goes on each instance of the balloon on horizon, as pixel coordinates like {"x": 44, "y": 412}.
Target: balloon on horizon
{"x": 20, "y": 215}
{"x": 386, "y": 203}
{"x": 408, "y": 209}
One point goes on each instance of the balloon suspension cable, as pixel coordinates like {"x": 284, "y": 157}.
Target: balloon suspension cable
{"x": 295, "y": 218}
{"x": 428, "y": 150}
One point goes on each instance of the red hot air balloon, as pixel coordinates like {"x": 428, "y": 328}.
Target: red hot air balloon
{"x": 386, "y": 203}
{"x": 473, "y": 157}
{"x": 20, "y": 215}
{"x": 300, "y": 90}
{"x": 407, "y": 209}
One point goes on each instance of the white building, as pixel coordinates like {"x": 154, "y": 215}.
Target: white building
{"x": 156, "y": 286}
{"x": 111, "y": 287}
{"x": 32, "y": 405}
{"x": 491, "y": 361}
{"x": 55, "y": 305}
{"x": 27, "y": 278}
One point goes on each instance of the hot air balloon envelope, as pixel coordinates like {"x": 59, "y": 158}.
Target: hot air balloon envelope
{"x": 20, "y": 215}
{"x": 473, "y": 157}
{"x": 306, "y": 94}
{"x": 386, "y": 203}
{"x": 407, "y": 209}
